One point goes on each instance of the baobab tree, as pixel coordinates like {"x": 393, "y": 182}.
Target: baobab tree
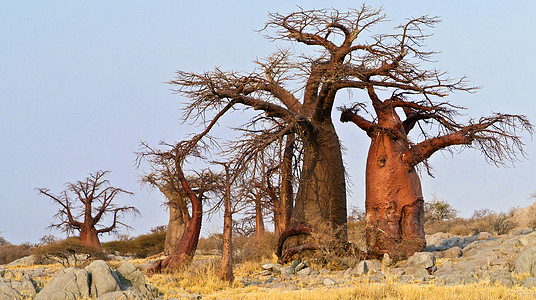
{"x": 84, "y": 204}
{"x": 405, "y": 97}
{"x": 164, "y": 176}
{"x": 296, "y": 95}
{"x": 184, "y": 251}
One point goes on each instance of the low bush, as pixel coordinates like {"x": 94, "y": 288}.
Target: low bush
{"x": 67, "y": 252}
{"x": 9, "y": 253}
{"x": 483, "y": 220}
{"x": 142, "y": 246}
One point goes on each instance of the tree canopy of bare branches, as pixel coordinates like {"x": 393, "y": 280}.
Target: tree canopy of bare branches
{"x": 84, "y": 204}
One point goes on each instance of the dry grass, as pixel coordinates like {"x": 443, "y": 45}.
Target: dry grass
{"x": 358, "y": 291}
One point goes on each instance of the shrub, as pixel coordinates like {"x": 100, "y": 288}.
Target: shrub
{"x": 142, "y": 246}
{"x": 3, "y": 241}
{"x": 9, "y": 253}
{"x": 438, "y": 210}
{"x": 67, "y": 252}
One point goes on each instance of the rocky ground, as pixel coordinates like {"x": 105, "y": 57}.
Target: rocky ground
{"x": 508, "y": 260}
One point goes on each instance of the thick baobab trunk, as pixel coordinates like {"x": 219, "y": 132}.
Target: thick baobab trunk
{"x": 320, "y": 205}
{"x": 88, "y": 236}
{"x": 321, "y": 198}
{"x": 394, "y": 201}
{"x": 226, "y": 265}
{"x": 175, "y": 229}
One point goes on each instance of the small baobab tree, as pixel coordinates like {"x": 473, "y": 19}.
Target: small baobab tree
{"x": 184, "y": 251}
{"x": 85, "y": 203}
{"x": 408, "y": 121}
{"x": 163, "y": 176}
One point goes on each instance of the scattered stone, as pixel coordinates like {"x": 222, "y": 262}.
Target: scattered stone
{"x": 387, "y": 261}
{"x": 70, "y": 283}
{"x": 324, "y": 271}
{"x": 300, "y": 266}
{"x": 529, "y": 282}
{"x": 7, "y": 292}
{"x": 24, "y": 261}
{"x": 103, "y": 279}
{"x": 121, "y": 295}
{"x": 453, "y": 252}
{"x": 367, "y": 266}
{"x": 528, "y": 239}
{"x": 484, "y": 236}
{"x": 283, "y": 285}
{"x": 420, "y": 262}
{"x": 287, "y": 270}
{"x": 329, "y": 282}
{"x": 305, "y": 272}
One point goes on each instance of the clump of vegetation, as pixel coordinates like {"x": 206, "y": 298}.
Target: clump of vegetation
{"x": 68, "y": 252}
{"x": 441, "y": 217}
{"x": 141, "y": 246}
{"x": 9, "y": 253}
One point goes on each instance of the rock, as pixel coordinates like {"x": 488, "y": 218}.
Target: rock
{"x": 300, "y": 266}
{"x": 484, "y": 236}
{"x": 502, "y": 276}
{"x": 420, "y": 262}
{"x": 528, "y": 239}
{"x": 24, "y": 261}
{"x": 265, "y": 273}
{"x": 468, "y": 240}
{"x": 526, "y": 261}
{"x": 367, "y": 266}
{"x": 305, "y": 272}
{"x": 283, "y": 285}
{"x": 7, "y": 274}
{"x": 387, "y": 261}
{"x": 324, "y": 271}
{"x": 329, "y": 282}
{"x": 453, "y": 252}
{"x": 103, "y": 279}
{"x": 436, "y": 238}
{"x": 26, "y": 288}
{"x": 272, "y": 267}
{"x": 450, "y": 280}
{"x": 469, "y": 252}
{"x": 287, "y": 270}
{"x": 8, "y": 293}
{"x": 132, "y": 279}
{"x": 529, "y": 282}
{"x": 70, "y": 283}
{"x": 121, "y": 295}
{"x": 449, "y": 243}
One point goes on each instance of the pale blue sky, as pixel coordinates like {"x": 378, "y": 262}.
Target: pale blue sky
{"x": 82, "y": 83}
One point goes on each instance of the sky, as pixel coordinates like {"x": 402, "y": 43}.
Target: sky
{"x": 82, "y": 83}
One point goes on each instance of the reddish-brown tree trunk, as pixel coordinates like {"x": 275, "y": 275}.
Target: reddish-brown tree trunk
{"x": 89, "y": 237}
{"x": 259, "y": 220}
{"x": 286, "y": 200}
{"x": 321, "y": 198}
{"x": 394, "y": 201}
{"x": 226, "y": 264}
{"x": 185, "y": 251}
{"x": 175, "y": 229}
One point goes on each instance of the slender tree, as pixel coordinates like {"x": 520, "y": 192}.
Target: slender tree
{"x": 93, "y": 200}
{"x": 405, "y": 97}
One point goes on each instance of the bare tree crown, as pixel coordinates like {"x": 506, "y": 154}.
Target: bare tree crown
{"x": 88, "y": 201}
